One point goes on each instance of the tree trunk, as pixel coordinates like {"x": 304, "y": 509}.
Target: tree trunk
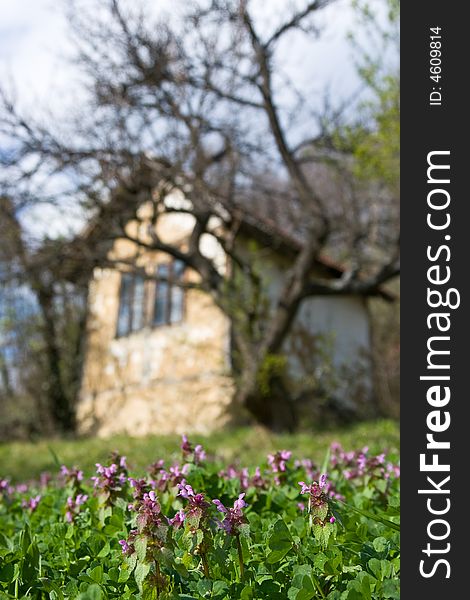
{"x": 59, "y": 403}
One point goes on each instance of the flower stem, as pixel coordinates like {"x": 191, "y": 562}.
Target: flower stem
{"x": 158, "y": 576}
{"x": 240, "y": 558}
{"x": 205, "y": 565}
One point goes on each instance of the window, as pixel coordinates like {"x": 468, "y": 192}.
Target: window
{"x": 145, "y": 303}
{"x": 131, "y": 315}
{"x": 169, "y": 296}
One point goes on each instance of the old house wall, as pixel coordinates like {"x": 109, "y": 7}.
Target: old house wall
{"x": 328, "y": 348}
{"x": 165, "y": 379}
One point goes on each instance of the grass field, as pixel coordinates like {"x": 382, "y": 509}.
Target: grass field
{"x": 22, "y": 461}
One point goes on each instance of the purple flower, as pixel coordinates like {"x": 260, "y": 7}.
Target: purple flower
{"x": 178, "y": 519}
{"x": 128, "y": 545}
{"x": 73, "y": 506}
{"x": 234, "y": 517}
{"x": 199, "y": 454}
{"x": 73, "y": 476}
{"x": 185, "y": 490}
{"x": 156, "y": 468}
{"x": 186, "y": 446}
{"x": 197, "y": 508}
{"x": 277, "y": 461}
{"x": 172, "y": 477}
{"x": 317, "y": 501}
{"x": 32, "y": 503}
{"x": 243, "y": 475}
{"x": 44, "y": 479}
{"x": 6, "y": 489}
{"x": 149, "y": 512}
{"x": 110, "y": 481}
{"x": 140, "y": 487}
{"x": 220, "y": 507}
{"x": 309, "y": 467}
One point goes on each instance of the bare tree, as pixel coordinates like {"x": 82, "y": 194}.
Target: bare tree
{"x": 200, "y": 104}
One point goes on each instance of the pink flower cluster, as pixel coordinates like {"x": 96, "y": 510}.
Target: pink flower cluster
{"x": 278, "y": 462}
{"x": 166, "y": 479}
{"x": 198, "y": 454}
{"x": 73, "y": 506}
{"x": 243, "y": 475}
{"x": 111, "y": 480}
{"x": 71, "y": 476}
{"x": 317, "y": 492}
{"x": 32, "y": 503}
{"x": 149, "y": 515}
{"x": 358, "y": 464}
{"x": 128, "y": 545}
{"x": 234, "y": 517}
{"x": 6, "y": 489}
{"x": 313, "y": 474}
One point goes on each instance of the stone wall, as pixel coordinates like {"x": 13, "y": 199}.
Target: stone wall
{"x": 165, "y": 379}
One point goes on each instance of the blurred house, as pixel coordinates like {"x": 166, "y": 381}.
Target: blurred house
{"x": 158, "y": 356}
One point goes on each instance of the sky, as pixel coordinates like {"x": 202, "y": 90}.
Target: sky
{"x": 34, "y": 46}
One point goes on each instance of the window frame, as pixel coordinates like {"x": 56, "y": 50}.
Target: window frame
{"x": 133, "y": 278}
{"x": 171, "y": 283}
{"x": 149, "y": 298}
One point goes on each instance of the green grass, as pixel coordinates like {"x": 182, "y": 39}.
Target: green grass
{"x": 22, "y": 461}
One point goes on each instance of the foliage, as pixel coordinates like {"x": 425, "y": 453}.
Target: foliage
{"x": 376, "y": 145}
{"x": 191, "y": 531}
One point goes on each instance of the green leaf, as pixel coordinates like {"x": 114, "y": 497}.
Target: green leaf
{"x": 303, "y": 587}
{"x": 96, "y": 542}
{"x": 149, "y": 591}
{"x": 247, "y": 593}
{"x": 320, "y": 560}
{"x": 6, "y": 573}
{"x": 391, "y": 589}
{"x": 51, "y": 586}
{"x": 141, "y": 571}
{"x": 140, "y": 546}
{"x": 96, "y": 574}
{"x": 219, "y": 590}
{"x": 381, "y": 569}
{"x": 372, "y": 516}
{"x": 279, "y": 541}
{"x": 381, "y": 545}
{"x": 113, "y": 574}
{"x": 322, "y": 534}
{"x": 359, "y": 588}
{"x": 124, "y": 575}
{"x": 326, "y": 462}
{"x": 93, "y": 592}
{"x": 204, "y": 587}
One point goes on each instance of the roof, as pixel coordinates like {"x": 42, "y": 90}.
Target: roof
{"x": 276, "y": 235}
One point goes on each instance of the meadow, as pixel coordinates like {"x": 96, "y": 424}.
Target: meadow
{"x": 235, "y": 515}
